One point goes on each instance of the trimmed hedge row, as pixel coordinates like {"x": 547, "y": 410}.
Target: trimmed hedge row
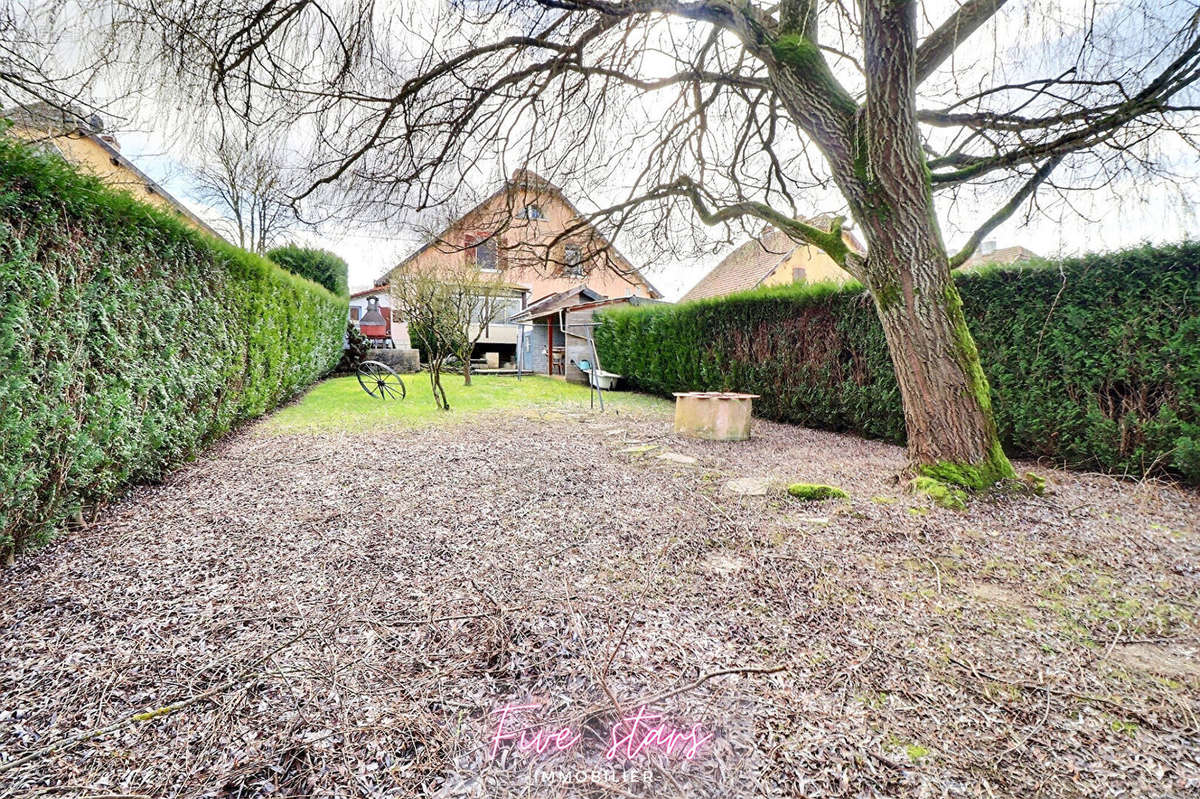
{"x": 128, "y": 341}
{"x": 1093, "y": 362}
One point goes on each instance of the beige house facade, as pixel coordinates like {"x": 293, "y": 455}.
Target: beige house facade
{"x": 535, "y": 243}
{"x": 85, "y": 144}
{"x": 772, "y": 258}
{"x": 531, "y": 237}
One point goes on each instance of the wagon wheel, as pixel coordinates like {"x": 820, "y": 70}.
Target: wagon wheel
{"x": 378, "y": 380}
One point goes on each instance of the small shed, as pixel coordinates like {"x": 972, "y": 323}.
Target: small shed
{"x": 559, "y": 331}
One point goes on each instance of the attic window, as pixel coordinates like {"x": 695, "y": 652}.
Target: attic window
{"x": 531, "y": 212}
{"x": 797, "y": 274}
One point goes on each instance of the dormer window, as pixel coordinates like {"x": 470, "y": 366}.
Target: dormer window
{"x": 530, "y": 212}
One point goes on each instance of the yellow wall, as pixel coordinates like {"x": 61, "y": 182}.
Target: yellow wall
{"x": 90, "y": 157}
{"x": 817, "y": 265}
{"x": 527, "y": 265}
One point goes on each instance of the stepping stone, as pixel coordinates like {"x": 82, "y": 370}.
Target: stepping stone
{"x": 640, "y": 449}
{"x": 803, "y": 522}
{"x": 616, "y": 431}
{"x": 723, "y": 563}
{"x": 749, "y": 486}
{"x": 675, "y": 457}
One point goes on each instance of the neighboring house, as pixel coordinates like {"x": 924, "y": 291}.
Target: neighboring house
{"x": 772, "y": 258}
{"x": 84, "y": 143}
{"x": 511, "y": 234}
{"x": 557, "y": 330}
{"x": 987, "y": 254}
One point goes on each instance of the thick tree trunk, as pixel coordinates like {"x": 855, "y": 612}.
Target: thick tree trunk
{"x": 467, "y": 371}
{"x": 947, "y": 405}
{"x": 875, "y": 153}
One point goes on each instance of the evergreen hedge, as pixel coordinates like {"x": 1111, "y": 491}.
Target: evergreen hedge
{"x": 128, "y": 341}
{"x": 1093, "y": 362}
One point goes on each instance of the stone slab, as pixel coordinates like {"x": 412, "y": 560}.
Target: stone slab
{"x": 749, "y": 486}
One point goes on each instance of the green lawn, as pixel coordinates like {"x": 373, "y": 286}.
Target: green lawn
{"x": 340, "y": 404}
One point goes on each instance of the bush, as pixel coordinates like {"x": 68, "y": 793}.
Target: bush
{"x": 320, "y": 266}
{"x": 128, "y": 341}
{"x": 1093, "y": 362}
{"x": 354, "y": 352}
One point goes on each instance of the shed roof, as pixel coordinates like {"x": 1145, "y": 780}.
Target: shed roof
{"x": 368, "y": 292}
{"x": 552, "y": 303}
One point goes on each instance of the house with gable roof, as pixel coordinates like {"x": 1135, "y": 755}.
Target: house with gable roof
{"x": 770, "y": 259}
{"x": 534, "y": 240}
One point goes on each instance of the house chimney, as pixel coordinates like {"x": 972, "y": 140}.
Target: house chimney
{"x": 988, "y": 247}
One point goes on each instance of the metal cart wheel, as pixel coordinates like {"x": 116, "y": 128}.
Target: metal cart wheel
{"x": 378, "y": 380}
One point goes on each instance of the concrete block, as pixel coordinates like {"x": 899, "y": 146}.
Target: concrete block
{"x": 715, "y": 415}
{"x": 403, "y": 361}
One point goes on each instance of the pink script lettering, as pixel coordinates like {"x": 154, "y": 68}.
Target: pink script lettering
{"x": 628, "y": 738}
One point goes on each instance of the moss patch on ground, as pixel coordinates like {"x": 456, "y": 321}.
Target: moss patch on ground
{"x": 942, "y": 494}
{"x": 814, "y": 492}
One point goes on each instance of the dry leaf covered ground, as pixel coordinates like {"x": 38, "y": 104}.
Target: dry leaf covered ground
{"x": 339, "y": 614}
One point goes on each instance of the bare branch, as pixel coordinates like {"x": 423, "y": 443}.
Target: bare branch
{"x": 941, "y": 44}
{"x": 1007, "y": 210}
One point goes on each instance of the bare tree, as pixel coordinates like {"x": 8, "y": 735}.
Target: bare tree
{"x": 479, "y": 300}
{"x": 427, "y": 304}
{"x": 448, "y": 312}
{"x": 245, "y": 179}
{"x": 735, "y": 113}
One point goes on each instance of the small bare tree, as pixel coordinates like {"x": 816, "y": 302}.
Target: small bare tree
{"x": 427, "y": 304}
{"x": 244, "y": 177}
{"x": 479, "y": 300}
{"x": 448, "y": 312}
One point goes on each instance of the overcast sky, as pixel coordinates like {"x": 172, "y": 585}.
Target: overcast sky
{"x": 1099, "y": 221}
{"x": 1115, "y": 223}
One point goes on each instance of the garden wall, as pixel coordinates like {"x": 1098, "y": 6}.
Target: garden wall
{"x": 129, "y": 341}
{"x": 1094, "y": 363}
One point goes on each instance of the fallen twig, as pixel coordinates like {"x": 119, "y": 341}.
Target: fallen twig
{"x": 71, "y": 741}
